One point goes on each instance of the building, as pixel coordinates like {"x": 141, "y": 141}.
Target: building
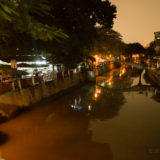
{"x": 157, "y": 36}
{"x": 157, "y": 42}
{"x": 28, "y": 64}
{"x": 33, "y": 64}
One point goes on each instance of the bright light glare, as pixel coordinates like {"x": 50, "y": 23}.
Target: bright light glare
{"x": 109, "y": 83}
{"x": 95, "y": 95}
{"x": 41, "y": 62}
{"x": 122, "y": 71}
{"x": 97, "y": 92}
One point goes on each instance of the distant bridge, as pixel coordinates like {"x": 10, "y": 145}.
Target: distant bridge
{"x": 137, "y": 65}
{"x": 139, "y": 86}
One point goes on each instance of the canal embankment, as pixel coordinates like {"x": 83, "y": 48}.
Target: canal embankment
{"x": 13, "y": 101}
{"x": 17, "y": 100}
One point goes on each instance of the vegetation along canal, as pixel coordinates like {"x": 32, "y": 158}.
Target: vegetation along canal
{"x": 115, "y": 119}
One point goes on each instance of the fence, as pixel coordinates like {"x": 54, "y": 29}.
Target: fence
{"x": 18, "y": 84}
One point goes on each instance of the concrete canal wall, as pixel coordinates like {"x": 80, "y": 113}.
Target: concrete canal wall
{"x": 13, "y": 101}
{"x": 10, "y": 102}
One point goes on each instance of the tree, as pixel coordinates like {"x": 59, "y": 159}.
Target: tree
{"x": 25, "y": 16}
{"x": 78, "y": 19}
{"x": 134, "y": 48}
{"x": 150, "y": 51}
{"x": 29, "y": 20}
{"x": 22, "y": 27}
{"x": 64, "y": 28}
{"x": 108, "y": 41}
{"x": 7, "y": 10}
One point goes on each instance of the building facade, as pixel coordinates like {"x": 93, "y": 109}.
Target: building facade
{"x": 157, "y": 42}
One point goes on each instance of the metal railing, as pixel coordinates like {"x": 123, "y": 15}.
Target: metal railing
{"x": 18, "y": 84}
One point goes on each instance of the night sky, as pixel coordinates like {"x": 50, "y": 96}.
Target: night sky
{"x": 137, "y": 20}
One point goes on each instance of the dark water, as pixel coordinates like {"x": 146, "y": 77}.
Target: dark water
{"x": 116, "y": 119}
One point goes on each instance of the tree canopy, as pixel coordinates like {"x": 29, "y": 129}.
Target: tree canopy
{"x": 22, "y": 26}
{"x": 150, "y": 50}
{"x": 78, "y": 19}
{"x": 108, "y": 41}
{"x": 66, "y": 29}
{"x": 134, "y": 48}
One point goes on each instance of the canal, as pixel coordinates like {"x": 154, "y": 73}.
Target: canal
{"x": 118, "y": 118}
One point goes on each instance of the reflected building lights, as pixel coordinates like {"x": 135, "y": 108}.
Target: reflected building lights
{"x": 97, "y": 92}
{"x": 122, "y": 71}
{"x": 95, "y": 95}
{"x": 89, "y": 108}
{"x": 110, "y": 80}
{"x": 98, "y": 60}
{"x": 109, "y": 83}
{"x": 103, "y": 83}
{"x": 76, "y": 105}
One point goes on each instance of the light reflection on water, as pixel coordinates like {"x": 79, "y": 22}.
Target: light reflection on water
{"x": 137, "y": 79}
{"x": 134, "y": 132}
{"x": 91, "y": 123}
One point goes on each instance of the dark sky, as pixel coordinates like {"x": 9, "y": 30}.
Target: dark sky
{"x": 137, "y": 20}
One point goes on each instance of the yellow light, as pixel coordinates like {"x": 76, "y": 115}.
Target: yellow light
{"x": 95, "y": 95}
{"x": 98, "y": 91}
{"x": 109, "y": 83}
{"x": 122, "y": 70}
